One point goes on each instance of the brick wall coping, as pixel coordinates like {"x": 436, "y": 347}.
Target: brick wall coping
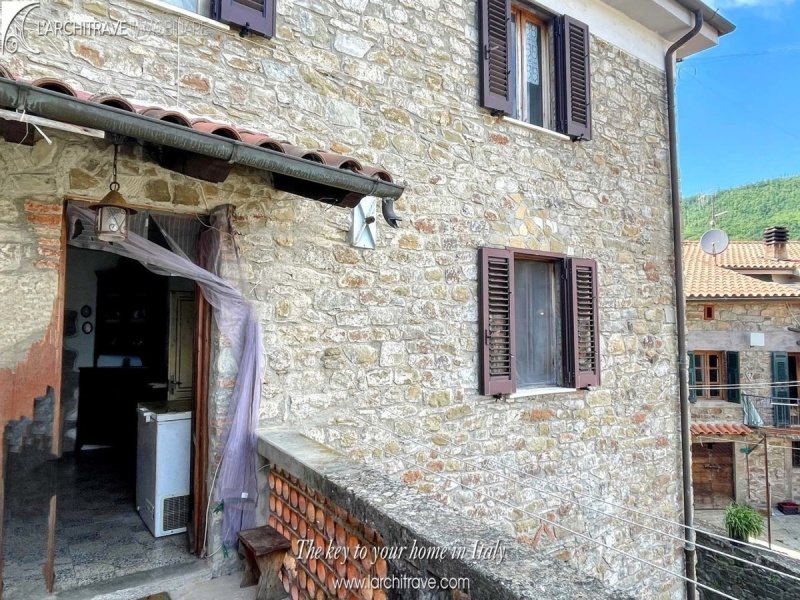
{"x": 403, "y": 516}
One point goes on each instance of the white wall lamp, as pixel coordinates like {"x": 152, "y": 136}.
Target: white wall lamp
{"x": 111, "y": 224}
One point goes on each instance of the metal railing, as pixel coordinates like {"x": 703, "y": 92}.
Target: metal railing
{"x": 769, "y": 411}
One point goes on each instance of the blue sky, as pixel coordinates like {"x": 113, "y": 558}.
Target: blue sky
{"x": 738, "y": 117}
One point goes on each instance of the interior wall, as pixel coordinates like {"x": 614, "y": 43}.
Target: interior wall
{"x": 82, "y": 266}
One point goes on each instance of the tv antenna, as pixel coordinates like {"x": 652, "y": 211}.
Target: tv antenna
{"x": 712, "y": 222}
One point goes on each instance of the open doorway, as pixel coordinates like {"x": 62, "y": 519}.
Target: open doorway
{"x": 124, "y": 481}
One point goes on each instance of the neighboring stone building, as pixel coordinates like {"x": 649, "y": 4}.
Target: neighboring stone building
{"x": 743, "y": 317}
{"x": 384, "y": 353}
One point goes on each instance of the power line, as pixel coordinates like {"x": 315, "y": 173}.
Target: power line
{"x": 567, "y": 529}
{"x": 575, "y": 502}
{"x": 765, "y": 52}
{"x": 733, "y": 441}
{"x": 779, "y": 126}
{"x": 564, "y": 487}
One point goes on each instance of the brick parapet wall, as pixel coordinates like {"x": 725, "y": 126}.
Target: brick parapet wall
{"x": 310, "y": 520}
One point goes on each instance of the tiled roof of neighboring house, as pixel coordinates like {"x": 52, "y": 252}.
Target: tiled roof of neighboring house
{"x": 705, "y": 279}
{"x": 228, "y": 131}
{"x": 753, "y": 255}
{"x": 720, "y": 429}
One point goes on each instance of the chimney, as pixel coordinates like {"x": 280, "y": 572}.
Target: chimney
{"x": 775, "y": 239}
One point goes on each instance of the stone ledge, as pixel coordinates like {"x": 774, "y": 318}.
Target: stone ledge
{"x": 403, "y": 516}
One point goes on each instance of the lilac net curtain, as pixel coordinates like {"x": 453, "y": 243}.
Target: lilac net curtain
{"x": 235, "y": 484}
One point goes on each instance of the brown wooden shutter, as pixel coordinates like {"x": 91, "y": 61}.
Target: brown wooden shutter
{"x": 498, "y": 366}
{"x": 250, "y": 15}
{"x": 573, "y": 79}
{"x": 584, "y": 330}
{"x": 495, "y": 55}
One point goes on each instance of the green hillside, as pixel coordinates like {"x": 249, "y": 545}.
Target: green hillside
{"x": 750, "y": 209}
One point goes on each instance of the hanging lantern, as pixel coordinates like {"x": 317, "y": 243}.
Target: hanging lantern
{"x": 113, "y": 212}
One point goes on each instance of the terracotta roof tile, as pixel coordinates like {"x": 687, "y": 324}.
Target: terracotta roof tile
{"x": 753, "y": 255}
{"x": 228, "y": 131}
{"x": 705, "y": 279}
{"x": 720, "y": 429}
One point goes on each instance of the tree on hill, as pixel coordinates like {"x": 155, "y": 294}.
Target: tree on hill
{"x": 749, "y": 209}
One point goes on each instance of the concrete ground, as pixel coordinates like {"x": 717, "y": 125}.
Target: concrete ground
{"x": 785, "y": 529}
{"x": 223, "y": 587}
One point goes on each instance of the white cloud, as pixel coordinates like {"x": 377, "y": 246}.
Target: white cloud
{"x": 748, "y": 3}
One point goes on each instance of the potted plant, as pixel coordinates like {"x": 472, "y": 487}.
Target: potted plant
{"x": 743, "y": 521}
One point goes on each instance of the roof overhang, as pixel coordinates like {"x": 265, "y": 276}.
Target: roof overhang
{"x": 290, "y": 173}
{"x": 672, "y": 18}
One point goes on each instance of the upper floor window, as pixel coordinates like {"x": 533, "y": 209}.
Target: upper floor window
{"x": 714, "y": 375}
{"x": 201, "y": 7}
{"x": 535, "y": 68}
{"x": 530, "y": 76}
{"x": 250, "y": 15}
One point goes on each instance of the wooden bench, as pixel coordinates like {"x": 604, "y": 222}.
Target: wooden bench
{"x": 264, "y": 550}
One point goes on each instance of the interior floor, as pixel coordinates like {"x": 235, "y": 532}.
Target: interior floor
{"x": 99, "y": 534}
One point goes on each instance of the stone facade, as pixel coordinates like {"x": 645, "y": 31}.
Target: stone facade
{"x": 390, "y": 335}
{"x": 730, "y": 330}
{"x": 743, "y": 581}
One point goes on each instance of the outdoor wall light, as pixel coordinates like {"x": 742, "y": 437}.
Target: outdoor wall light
{"x": 111, "y": 224}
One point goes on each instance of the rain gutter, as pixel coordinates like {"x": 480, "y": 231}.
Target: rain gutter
{"x": 58, "y": 107}
{"x": 680, "y": 313}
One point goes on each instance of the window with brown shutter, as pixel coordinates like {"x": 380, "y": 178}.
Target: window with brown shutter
{"x": 573, "y": 79}
{"x": 538, "y": 321}
{"x": 584, "y": 320}
{"x": 534, "y": 67}
{"x": 497, "y": 325}
{"x": 495, "y": 46}
{"x": 251, "y": 15}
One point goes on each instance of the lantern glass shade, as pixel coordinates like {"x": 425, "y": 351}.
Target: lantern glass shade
{"x": 112, "y": 224}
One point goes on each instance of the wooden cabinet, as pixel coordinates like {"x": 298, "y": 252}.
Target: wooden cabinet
{"x": 131, "y": 315}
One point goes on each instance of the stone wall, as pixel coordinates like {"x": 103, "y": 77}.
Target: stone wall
{"x": 744, "y": 581}
{"x": 390, "y": 335}
{"x": 348, "y": 523}
{"x": 730, "y": 330}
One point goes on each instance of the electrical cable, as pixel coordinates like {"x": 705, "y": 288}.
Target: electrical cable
{"x": 567, "y": 488}
{"x": 585, "y": 506}
{"x": 567, "y": 529}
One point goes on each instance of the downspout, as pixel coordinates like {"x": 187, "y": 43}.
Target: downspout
{"x": 680, "y": 305}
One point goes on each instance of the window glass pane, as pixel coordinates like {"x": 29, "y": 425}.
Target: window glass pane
{"x": 538, "y": 322}
{"x": 187, "y": 4}
{"x": 533, "y": 73}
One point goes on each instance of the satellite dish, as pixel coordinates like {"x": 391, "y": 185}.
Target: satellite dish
{"x": 714, "y": 241}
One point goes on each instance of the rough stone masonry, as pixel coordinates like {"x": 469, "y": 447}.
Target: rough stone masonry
{"x": 390, "y": 335}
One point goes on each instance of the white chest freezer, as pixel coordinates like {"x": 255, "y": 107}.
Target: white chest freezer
{"x": 163, "y": 466}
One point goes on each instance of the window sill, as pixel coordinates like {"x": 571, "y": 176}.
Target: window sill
{"x": 540, "y": 391}
{"x": 182, "y": 12}
{"x": 550, "y": 132}
{"x": 714, "y": 403}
